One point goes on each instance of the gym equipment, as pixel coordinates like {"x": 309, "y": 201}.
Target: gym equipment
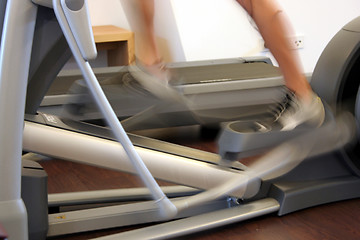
{"x": 16, "y": 31}
{"x": 49, "y": 135}
{"x": 217, "y": 91}
{"x": 198, "y": 81}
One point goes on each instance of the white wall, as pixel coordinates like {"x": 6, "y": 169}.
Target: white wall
{"x": 213, "y": 29}
{"x": 105, "y": 12}
{"x": 319, "y": 21}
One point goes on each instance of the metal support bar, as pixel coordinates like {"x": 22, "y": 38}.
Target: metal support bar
{"x": 118, "y": 216}
{"x": 201, "y": 222}
{"x": 16, "y": 42}
{"x": 115, "y": 195}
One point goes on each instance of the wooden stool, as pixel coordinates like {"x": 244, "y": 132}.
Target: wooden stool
{"x": 118, "y": 42}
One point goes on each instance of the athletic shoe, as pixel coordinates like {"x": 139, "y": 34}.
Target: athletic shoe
{"x": 155, "y": 79}
{"x": 295, "y": 112}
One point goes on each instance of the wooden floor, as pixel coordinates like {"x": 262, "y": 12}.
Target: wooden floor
{"x": 339, "y": 220}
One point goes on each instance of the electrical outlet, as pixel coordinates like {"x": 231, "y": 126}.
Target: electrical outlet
{"x": 298, "y": 42}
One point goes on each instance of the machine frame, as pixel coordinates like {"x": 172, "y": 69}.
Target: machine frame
{"x": 262, "y": 194}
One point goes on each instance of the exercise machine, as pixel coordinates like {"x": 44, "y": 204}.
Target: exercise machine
{"x": 216, "y": 90}
{"x": 261, "y": 193}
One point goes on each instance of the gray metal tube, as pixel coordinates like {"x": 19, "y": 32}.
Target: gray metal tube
{"x": 15, "y": 50}
{"x": 14, "y": 64}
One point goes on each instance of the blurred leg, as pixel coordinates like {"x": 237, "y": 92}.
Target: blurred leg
{"x": 149, "y": 69}
{"x": 305, "y": 106}
{"x": 275, "y": 28}
{"x": 140, "y": 14}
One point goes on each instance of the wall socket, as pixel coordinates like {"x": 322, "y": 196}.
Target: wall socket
{"x": 298, "y": 42}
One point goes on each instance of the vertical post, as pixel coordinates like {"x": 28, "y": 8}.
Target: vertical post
{"x": 15, "y": 51}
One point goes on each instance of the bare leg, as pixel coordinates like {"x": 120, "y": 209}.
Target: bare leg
{"x": 275, "y": 29}
{"x": 149, "y": 70}
{"x": 140, "y": 14}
